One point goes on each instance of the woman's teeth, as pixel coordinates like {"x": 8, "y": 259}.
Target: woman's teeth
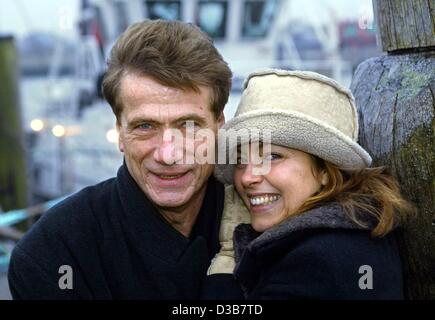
{"x": 261, "y": 200}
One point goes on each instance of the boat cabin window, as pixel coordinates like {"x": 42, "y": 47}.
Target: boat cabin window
{"x": 257, "y": 18}
{"x": 165, "y": 10}
{"x": 212, "y": 17}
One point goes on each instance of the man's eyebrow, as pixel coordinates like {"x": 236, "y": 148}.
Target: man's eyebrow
{"x": 192, "y": 117}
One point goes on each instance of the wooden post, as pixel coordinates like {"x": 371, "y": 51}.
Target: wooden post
{"x": 395, "y": 95}
{"x": 13, "y": 192}
{"x": 404, "y": 24}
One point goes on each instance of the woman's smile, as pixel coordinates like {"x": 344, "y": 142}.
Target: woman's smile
{"x": 275, "y": 195}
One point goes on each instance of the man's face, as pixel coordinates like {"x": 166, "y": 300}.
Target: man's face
{"x": 150, "y": 114}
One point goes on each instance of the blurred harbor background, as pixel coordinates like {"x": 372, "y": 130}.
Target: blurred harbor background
{"x": 68, "y": 131}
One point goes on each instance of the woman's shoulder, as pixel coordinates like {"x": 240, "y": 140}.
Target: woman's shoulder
{"x": 337, "y": 245}
{"x": 327, "y": 238}
{"x": 326, "y": 264}
{"x": 325, "y": 235}
{"x": 329, "y": 219}
{"x": 342, "y": 244}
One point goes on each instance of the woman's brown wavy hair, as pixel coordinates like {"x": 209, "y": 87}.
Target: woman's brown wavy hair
{"x": 373, "y": 191}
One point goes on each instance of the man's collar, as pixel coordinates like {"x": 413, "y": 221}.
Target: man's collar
{"x": 148, "y": 230}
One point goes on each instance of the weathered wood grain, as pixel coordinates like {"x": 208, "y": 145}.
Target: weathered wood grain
{"x": 395, "y": 95}
{"x": 404, "y": 24}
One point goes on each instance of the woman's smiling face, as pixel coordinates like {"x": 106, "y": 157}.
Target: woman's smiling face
{"x": 273, "y": 196}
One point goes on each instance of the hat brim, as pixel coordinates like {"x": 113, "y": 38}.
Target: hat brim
{"x": 297, "y": 131}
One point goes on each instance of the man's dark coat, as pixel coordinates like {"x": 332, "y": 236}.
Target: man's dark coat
{"x": 117, "y": 245}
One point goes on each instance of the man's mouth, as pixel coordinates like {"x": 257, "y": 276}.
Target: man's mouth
{"x": 263, "y": 199}
{"x": 170, "y": 177}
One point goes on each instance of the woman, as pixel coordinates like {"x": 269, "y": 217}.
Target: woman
{"x": 322, "y": 221}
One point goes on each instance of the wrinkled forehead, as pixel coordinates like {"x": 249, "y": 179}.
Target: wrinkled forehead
{"x": 135, "y": 86}
{"x": 136, "y": 89}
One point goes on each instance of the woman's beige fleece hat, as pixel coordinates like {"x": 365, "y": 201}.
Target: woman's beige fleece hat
{"x": 303, "y": 110}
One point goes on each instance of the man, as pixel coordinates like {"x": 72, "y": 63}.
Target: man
{"x": 151, "y": 232}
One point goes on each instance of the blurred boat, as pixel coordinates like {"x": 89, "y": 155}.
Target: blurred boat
{"x": 250, "y": 34}
{"x": 72, "y": 141}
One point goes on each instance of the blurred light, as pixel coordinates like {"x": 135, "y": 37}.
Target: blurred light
{"x": 112, "y": 136}
{"x": 37, "y": 125}
{"x": 73, "y": 131}
{"x": 58, "y": 131}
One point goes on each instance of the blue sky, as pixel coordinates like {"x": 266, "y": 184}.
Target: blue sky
{"x": 59, "y": 16}
{"x": 21, "y": 16}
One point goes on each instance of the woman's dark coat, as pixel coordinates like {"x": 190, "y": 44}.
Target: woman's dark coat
{"x": 320, "y": 254}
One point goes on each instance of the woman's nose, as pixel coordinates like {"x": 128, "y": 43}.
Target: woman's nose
{"x": 249, "y": 176}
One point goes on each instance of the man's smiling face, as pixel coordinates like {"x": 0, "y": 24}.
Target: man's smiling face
{"x": 150, "y": 112}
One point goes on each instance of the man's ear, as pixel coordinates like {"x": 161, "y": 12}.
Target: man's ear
{"x": 120, "y": 137}
{"x": 221, "y": 120}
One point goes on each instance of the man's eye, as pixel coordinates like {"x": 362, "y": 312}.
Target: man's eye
{"x": 145, "y": 126}
{"x": 241, "y": 162}
{"x": 191, "y": 125}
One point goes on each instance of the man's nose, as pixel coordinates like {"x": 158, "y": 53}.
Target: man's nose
{"x": 249, "y": 177}
{"x": 170, "y": 150}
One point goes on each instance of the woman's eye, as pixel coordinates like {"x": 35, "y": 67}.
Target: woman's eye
{"x": 272, "y": 156}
